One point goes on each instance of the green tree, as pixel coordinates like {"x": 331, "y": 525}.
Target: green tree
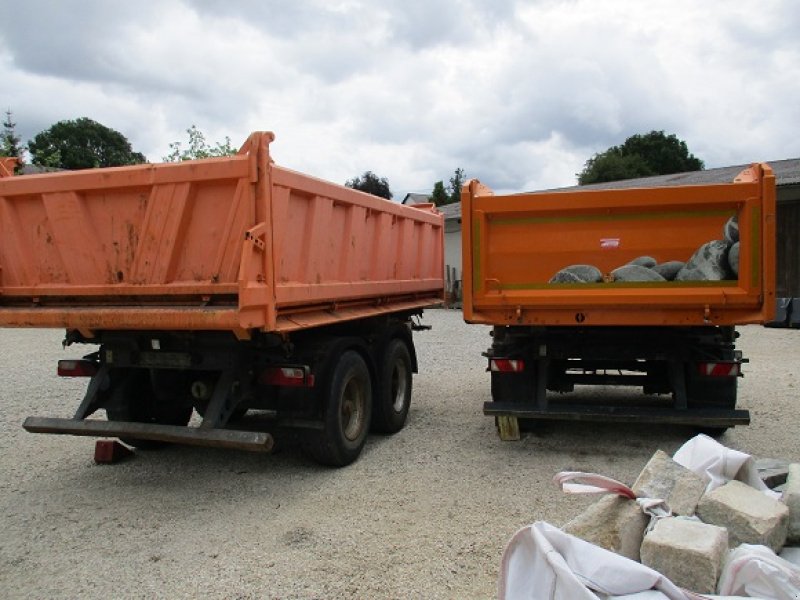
{"x": 198, "y": 147}
{"x": 439, "y": 196}
{"x": 654, "y": 153}
{"x": 9, "y": 141}
{"x": 82, "y": 144}
{"x": 456, "y": 181}
{"x": 371, "y": 184}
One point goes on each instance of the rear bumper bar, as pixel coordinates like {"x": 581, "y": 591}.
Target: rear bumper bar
{"x": 618, "y": 414}
{"x": 254, "y": 441}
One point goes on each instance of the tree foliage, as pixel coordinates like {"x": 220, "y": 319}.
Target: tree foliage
{"x": 82, "y": 144}
{"x": 654, "y": 153}
{"x": 197, "y": 147}
{"x": 452, "y": 193}
{"x": 439, "y": 196}
{"x": 456, "y": 181}
{"x": 10, "y": 141}
{"x": 371, "y": 184}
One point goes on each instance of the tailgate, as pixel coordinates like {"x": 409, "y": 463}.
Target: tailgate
{"x": 513, "y": 245}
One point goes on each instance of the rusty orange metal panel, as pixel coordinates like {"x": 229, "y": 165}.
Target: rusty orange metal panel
{"x": 234, "y": 243}
{"x": 513, "y": 245}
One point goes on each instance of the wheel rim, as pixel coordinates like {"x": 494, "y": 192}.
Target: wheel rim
{"x": 399, "y": 383}
{"x": 353, "y": 400}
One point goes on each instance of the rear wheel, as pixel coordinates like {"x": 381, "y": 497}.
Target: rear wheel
{"x": 347, "y": 404}
{"x": 134, "y": 399}
{"x": 394, "y": 389}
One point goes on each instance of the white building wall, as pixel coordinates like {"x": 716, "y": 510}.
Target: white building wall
{"x": 452, "y": 246}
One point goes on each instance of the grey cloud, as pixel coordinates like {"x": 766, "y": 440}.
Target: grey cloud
{"x": 67, "y": 39}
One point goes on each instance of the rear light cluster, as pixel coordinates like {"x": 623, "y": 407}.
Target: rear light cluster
{"x": 506, "y": 365}
{"x": 293, "y": 376}
{"x": 719, "y": 369}
{"x": 77, "y": 368}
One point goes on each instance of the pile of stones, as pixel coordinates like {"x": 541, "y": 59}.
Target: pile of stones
{"x": 690, "y": 547}
{"x": 716, "y": 260}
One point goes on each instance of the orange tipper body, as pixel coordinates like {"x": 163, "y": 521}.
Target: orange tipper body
{"x": 514, "y": 244}
{"x": 235, "y": 243}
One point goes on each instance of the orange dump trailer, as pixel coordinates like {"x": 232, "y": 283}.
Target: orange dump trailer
{"x": 622, "y": 287}
{"x": 225, "y": 286}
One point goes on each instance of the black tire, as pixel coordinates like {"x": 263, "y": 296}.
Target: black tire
{"x": 393, "y": 400}
{"x": 133, "y": 399}
{"x": 347, "y": 406}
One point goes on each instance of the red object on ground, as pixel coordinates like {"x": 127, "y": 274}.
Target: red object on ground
{"x": 110, "y": 451}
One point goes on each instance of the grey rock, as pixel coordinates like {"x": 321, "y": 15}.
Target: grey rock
{"x": 635, "y": 273}
{"x": 613, "y": 523}
{"x": 669, "y": 269}
{"x": 690, "y": 275}
{"x": 791, "y": 496}
{"x": 565, "y": 277}
{"x": 750, "y": 516}
{"x": 588, "y": 273}
{"x": 733, "y": 259}
{"x": 644, "y": 261}
{"x": 687, "y": 552}
{"x": 772, "y": 471}
{"x": 792, "y": 554}
{"x": 578, "y": 274}
{"x": 731, "y": 230}
{"x": 708, "y": 263}
{"x": 663, "y": 478}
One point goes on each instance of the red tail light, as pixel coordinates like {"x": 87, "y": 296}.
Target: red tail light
{"x": 295, "y": 376}
{"x": 77, "y": 368}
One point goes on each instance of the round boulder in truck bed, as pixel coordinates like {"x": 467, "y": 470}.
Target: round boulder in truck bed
{"x": 731, "y": 230}
{"x": 733, "y": 259}
{"x": 708, "y": 263}
{"x": 669, "y": 269}
{"x": 644, "y": 261}
{"x": 578, "y": 274}
{"x": 635, "y": 273}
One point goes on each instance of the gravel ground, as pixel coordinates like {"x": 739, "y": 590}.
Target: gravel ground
{"x": 423, "y": 514}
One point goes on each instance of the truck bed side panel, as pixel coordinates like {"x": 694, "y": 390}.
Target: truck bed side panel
{"x": 234, "y": 243}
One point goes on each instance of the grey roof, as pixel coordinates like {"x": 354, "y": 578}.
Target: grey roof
{"x": 787, "y": 172}
{"x": 414, "y": 198}
{"x": 36, "y": 169}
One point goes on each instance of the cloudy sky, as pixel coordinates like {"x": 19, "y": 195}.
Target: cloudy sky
{"x": 518, "y": 93}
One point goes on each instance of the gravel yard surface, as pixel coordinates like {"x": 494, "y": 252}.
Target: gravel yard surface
{"x": 422, "y": 514}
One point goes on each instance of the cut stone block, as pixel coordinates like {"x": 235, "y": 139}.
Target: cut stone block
{"x": 791, "y": 496}
{"x": 750, "y": 516}
{"x": 663, "y": 478}
{"x": 687, "y": 552}
{"x": 613, "y": 523}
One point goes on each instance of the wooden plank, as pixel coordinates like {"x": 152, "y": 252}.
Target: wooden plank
{"x": 508, "y": 428}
